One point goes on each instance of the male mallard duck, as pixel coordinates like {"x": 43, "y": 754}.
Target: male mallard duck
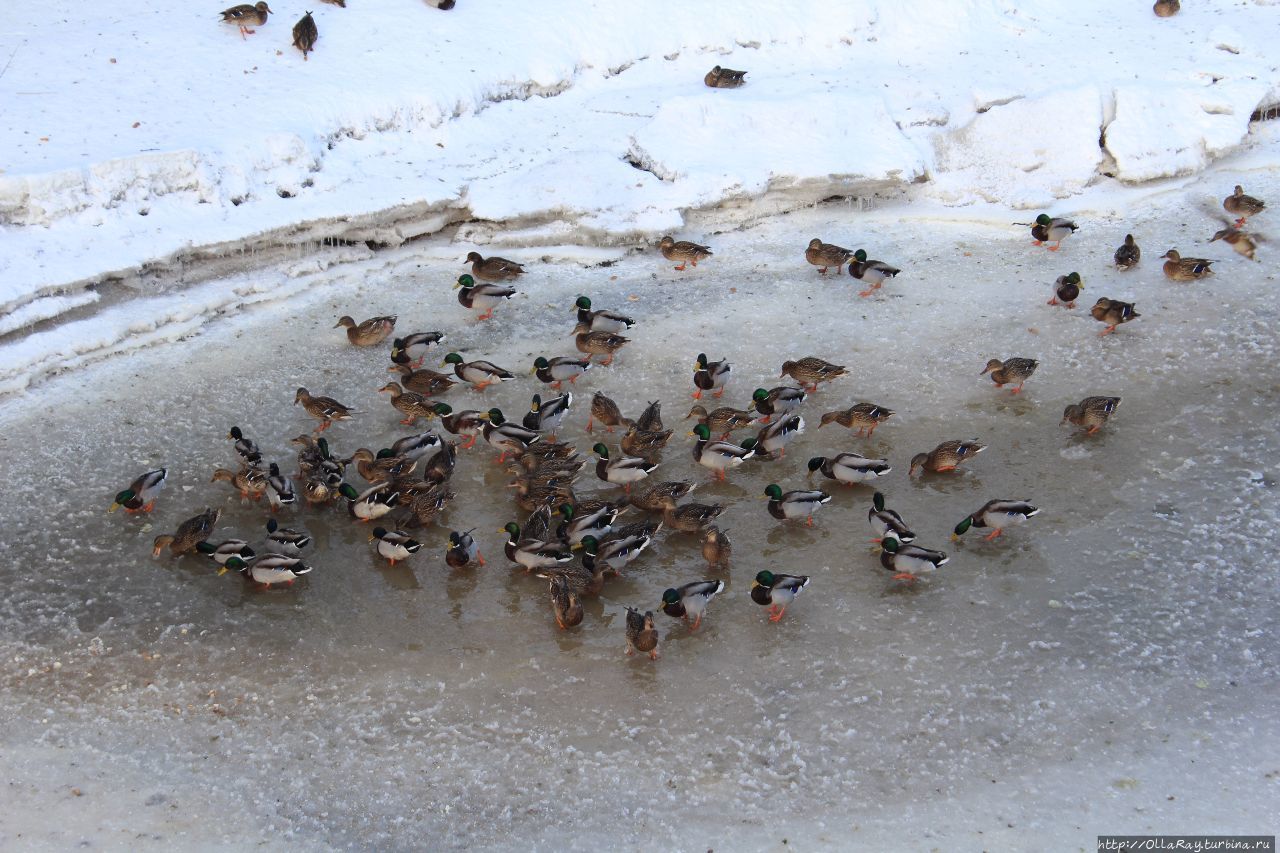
{"x": 826, "y": 255}
{"x": 481, "y": 374}
{"x": 946, "y": 456}
{"x": 566, "y": 606}
{"x": 597, "y": 343}
{"x": 1010, "y": 370}
{"x": 777, "y": 591}
{"x": 462, "y": 550}
{"x": 717, "y": 550}
{"x": 305, "y": 35}
{"x": 597, "y": 522}
{"x": 493, "y": 268}
{"x": 710, "y": 375}
{"x": 1238, "y": 240}
{"x": 546, "y": 415}
{"x": 286, "y": 537}
{"x": 379, "y": 468}
{"x": 1178, "y": 268}
{"x": 325, "y": 409}
{"x": 395, "y": 544}
{"x": 413, "y": 348}
{"x": 426, "y": 382}
{"x": 849, "y": 468}
{"x": 468, "y": 422}
{"x": 864, "y": 417}
{"x": 250, "y": 482}
{"x": 193, "y": 530}
{"x": 604, "y": 410}
{"x": 721, "y": 421}
{"x": 482, "y": 297}
{"x": 245, "y": 15}
{"x": 683, "y": 251}
{"x": 641, "y": 635}
{"x": 224, "y": 551}
{"x": 996, "y": 514}
{"x": 1166, "y": 8}
{"x": 1091, "y": 412}
{"x": 909, "y": 561}
{"x": 269, "y": 569}
{"x": 720, "y": 455}
{"x": 413, "y": 404}
{"x": 141, "y": 494}
{"x": 1128, "y": 255}
{"x": 374, "y": 502}
{"x": 1113, "y": 312}
{"x": 622, "y": 471}
{"x": 601, "y": 320}
{"x": 245, "y": 446}
{"x": 315, "y": 461}
{"x": 507, "y": 437}
{"x": 1243, "y": 206}
{"x": 690, "y": 600}
{"x": 690, "y": 517}
{"x": 1046, "y": 228}
{"x": 417, "y": 446}
{"x": 654, "y": 497}
{"x": 533, "y": 553}
{"x": 810, "y": 370}
{"x": 798, "y": 503}
{"x": 773, "y": 438}
{"x": 279, "y": 488}
{"x": 1066, "y": 289}
{"x": 618, "y": 550}
{"x": 777, "y": 401}
{"x": 724, "y": 78}
{"x": 873, "y": 273}
{"x": 886, "y": 522}
{"x": 562, "y": 368}
{"x": 371, "y": 332}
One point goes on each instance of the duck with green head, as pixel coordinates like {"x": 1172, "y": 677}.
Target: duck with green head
{"x": 374, "y": 502}
{"x": 622, "y": 470}
{"x": 482, "y": 297}
{"x": 690, "y": 600}
{"x": 533, "y": 553}
{"x": 462, "y": 550}
{"x": 850, "y": 469}
{"x": 224, "y": 551}
{"x": 1049, "y": 229}
{"x": 710, "y": 376}
{"x": 394, "y": 545}
{"x": 545, "y": 416}
{"x": 886, "y": 522}
{"x": 871, "y": 273}
{"x": 269, "y": 569}
{"x": 997, "y": 515}
{"x": 1066, "y": 289}
{"x": 467, "y": 422}
{"x": 562, "y": 368}
{"x": 507, "y": 437}
{"x": 619, "y": 549}
{"x": 781, "y": 400}
{"x": 578, "y": 525}
{"x": 798, "y": 503}
{"x": 776, "y": 590}
{"x": 481, "y": 374}
{"x": 719, "y": 456}
{"x": 909, "y": 561}
{"x": 142, "y": 492}
{"x": 601, "y": 320}
{"x": 412, "y": 349}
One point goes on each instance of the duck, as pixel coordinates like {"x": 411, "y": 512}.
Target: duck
{"x": 325, "y": 409}
{"x": 642, "y": 636}
{"x": 864, "y": 417}
{"x": 245, "y": 446}
{"x": 439, "y": 468}
{"x": 810, "y": 370}
{"x": 481, "y": 374}
{"x": 601, "y": 320}
{"x": 305, "y": 35}
{"x": 462, "y": 550}
{"x": 507, "y": 437}
{"x": 946, "y": 456}
{"x": 417, "y": 446}
{"x": 996, "y": 514}
{"x": 1113, "y": 312}
{"x": 316, "y": 490}
{"x": 798, "y": 503}
{"x": 1178, "y": 268}
{"x": 1166, "y": 8}
{"x": 717, "y": 550}
{"x": 245, "y": 15}
{"x": 482, "y": 297}
{"x": 315, "y": 460}
{"x": 597, "y": 522}
{"x": 547, "y": 415}
{"x": 190, "y": 532}
{"x": 777, "y": 401}
{"x": 1242, "y": 206}
{"x": 374, "y": 502}
{"x": 467, "y": 422}
{"x": 279, "y": 488}
{"x": 224, "y": 551}
{"x": 411, "y": 403}
{"x": 873, "y": 273}
{"x": 1128, "y": 255}
{"x": 690, "y": 517}
{"x": 622, "y": 471}
{"x": 251, "y": 482}
{"x": 566, "y": 606}
{"x": 849, "y": 468}
{"x": 618, "y": 550}
{"x": 606, "y": 411}
{"x": 412, "y": 349}
{"x": 654, "y": 497}
{"x": 563, "y": 368}
{"x": 772, "y": 440}
{"x": 598, "y": 343}
{"x": 777, "y": 591}
{"x": 1235, "y": 238}
{"x": 690, "y": 600}
{"x": 1091, "y": 412}
{"x": 909, "y": 561}
{"x": 683, "y": 251}
{"x": 533, "y": 553}
{"x": 394, "y": 544}
{"x": 650, "y": 419}
{"x": 286, "y": 537}
{"x": 826, "y": 255}
{"x": 710, "y": 376}
{"x": 722, "y": 421}
{"x": 381, "y": 468}
{"x": 425, "y": 505}
{"x": 719, "y": 456}
{"x": 494, "y": 268}
{"x": 1047, "y": 228}
{"x": 645, "y": 443}
{"x": 370, "y": 333}
{"x": 269, "y": 569}
{"x": 1009, "y": 371}
{"x": 142, "y": 492}
{"x": 724, "y": 78}
{"x": 886, "y": 522}
{"x": 425, "y": 382}
{"x": 1066, "y": 289}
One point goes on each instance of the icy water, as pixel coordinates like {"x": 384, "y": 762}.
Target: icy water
{"x": 1108, "y": 667}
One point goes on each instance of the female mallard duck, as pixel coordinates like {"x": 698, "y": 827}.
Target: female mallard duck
{"x": 721, "y": 421}
{"x": 720, "y": 455}
{"x": 317, "y": 490}
{"x": 245, "y": 446}
{"x": 798, "y": 503}
{"x": 379, "y": 468}
{"x": 269, "y": 569}
{"x": 141, "y": 494}
{"x": 417, "y": 446}
{"x": 1238, "y": 240}
{"x": 601, "y": 320}
{"x": 1047, "y": 228}
{"x": 873, "y": 273}
{"x": 286, "y": 537}
{"x": 886, "y": 522}
{"x": 618, "y": 550}
{"x": 493, "y": 268}
{"x": 481, "y": 374}
{"x": 190, "y": 532}
{"x": 371, "y": 332}
{"x": 650, "y": 419}
{"x": 849, "y": 468}
{"x": 1066, "y": 289}
{"x": 1128, "y": 255}
{"x": 1009, "y": 371}
{"x": 724, "y": 78}
{"x": 439, "y": 468}
{"x": 1166, "y": 8}
{"x": 776, "y": 591}
{"x": 1113, "y": 312}
{"x": 279, "y": 488}
{"x": 645, "y": 443}
{"x": 909, "y": 561}
{"x": 305, "y": 35}
{"x": 597, "y": 522}
{"x": 412, "y": 349}
{"x": 426, "y": 382}
{"x": 864, "y": 417}
{"x": 562, "y": 368}
{"x": 690, "y": 600}
{"x": 604, "y": 410}
{"x": 413, "y": 404}
{"x": 546, "y": 415}
{"x": 374, "y": 502}
{"x": 467, "y": 422}
{"x": 710, "y": 376}
{"x": 482, "y": 297}
{"x": 997, "y": 515}
{"x": 717, "y": 550}
{"x": 642, "y": 636}
{"x": 533, "y": 553}
{"x": 250, "y": 482}
{"x": 1178, "y": 268}
{"x": 1243, "y": 206}
{"x": 224, "y": 551}
{"x": 777, "y": 401}
{"x": 507, "y": 437}
{"x": 1091, "y": 412}
{"x": 690, "y": 517}
{"x": 773, "y": 438}
{"x": 426, "y": 505}
{"x": 809, "y": 371}
{"x": 683, "y": 251}
{"x": 566, "y": 606}
{"x": 325, "y": 409}
{"x": 622, "y": 471}
{"x": 462, "y": 550}
{"x": 654, "y": 497}
{"x": 946, "y": 456}
{"x": 315, "y": 461}
{"x": 246, "y": 15}
{"x": 597, "y": 343}
{"x": 395, "y": 544}
{"x": 826, "y": 255}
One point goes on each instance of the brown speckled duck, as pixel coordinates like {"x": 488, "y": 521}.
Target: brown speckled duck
{"x": 1242, "y": 206}
{"x": 413, "y": 404}
{"x": 1178, "y": 268}
{"x": 598, "y": 343}
{"x": 810, "y": 370}
{"x": 1242, "y": 242}
{"x": 723, "y": 420}
{"x": 246, "y": 15}
{"x": 946, "y": 456}
{"x": 1113, "y": 312}
{"x": 305, "y": 35}
{"x": 1090, "y": 413}
{"x": 190, "y": 532}
{"x": 864, "y": 417}
{"x": 1128, "y": 255}
{"x": 683, "y": 251}
{"x": 326, "y": 409}
{"x": 1166, "y": 8}
{"x": 493, "y": 268}
{"x": 724, "y": 78}
{"x": 826, "y": 255}
{"x": 1010, "y": 371}
{"x": 370, "y": 333}
{"x": 424, "y": 381}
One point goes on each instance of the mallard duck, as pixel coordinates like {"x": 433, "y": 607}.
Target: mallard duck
{"x": 1243, "y": 206}
{"x": 601, "y": 320}
{"x": 481, "y": 374}
{"x": 690, "y": 517}
{"x": 1066, "y": 289}
{"x": 482, "y": 297}
{"x": 719, "y": 455}
{"x": 245, "y": 446}
{"x": 996, "y": 514}
{"x": 467, "y": 422}
{"x": 370, "y": 333}
{"x": 597, "y": 343}
{"x": 269, "y": 569}
{"x": 317, "y": 490}
{"x": 417, "y": 446}
{"x": 683, "y": 251}
{"x": 141, "y": 494}
{"x": 507, "y": 437}
{"x": 193, "y": 530}
{"x": 546, "y": 415}
{"x": 1009, "y": 371}
{"x": 279, "y": 488}
{"x": 622, "y": 471}
{"x": 710, "y": 375}
{"x": 286, "y": 537}
{"x": 722, "y": 421}
{"x": 777, "y": 401}
{"x": 462, "y": 550}
{"x": 224, "y": 551}
{"x": 1128, "y": 255}
{"x": 1047, "y": 228}
{"x": 1113, "y": 312}
{"x": 724, "y": 78}
{"x": 374, "y": 502}
{"x": 873, "y": 273}
{"x": 562, "y": 368}
{"x": 424, "y": 506}
{"x": 826, "y": 255}
{"x": 776, "y": 591}
{"x": 325, "y": 409}
{"x": 717, "y": 550}
{"x": 772, "y": 440}
{"x": 305, "y": 35}
{"x": 394, "y": 544}
{"x": 246, "y": 15}
{"x": 1238, "y": 240}
{"x": 604, "y": 410}
{"x": 342, "y": 4}
{"x": 379, "y": 468}
{"x": 413, "y": 404}
{"x": 642, "y": 636}
{"x": 427, "y": 382}
{"x": 946, "y": 456}
{"x": 886, "y": 522}
{"x": 645, "y": 528}
{"x": 650, "y": 419}
{"x": 909, "y": 561}
{"x": 864, "y": 417}
{"x": 412, "y": 349}
{"x": 249, "y": 481}
{"x": 1178, "y": 268}
{"x": 533, "y": 553}
{"x": 849, "y": 468}
{"x": 1091, "y": 412}
{"x": 439, "y": 468}
{"x": 315, "y": 461}
{"x": 566, "y": 606}
{"x": 654, "y": 497}
{"x": 494, "y": 268}
{"x": 597, "y": 522}
{"x": 690, "y": 600}
{"x": 797, "y": 503}
{"x": 1166, "y": 8}
{"x": 618, "y": 550}
{"x": 809, "y": 371}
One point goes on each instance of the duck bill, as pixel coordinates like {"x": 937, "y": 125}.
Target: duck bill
{"x": 113, "y": 507}
{"x": 222, "y": 571}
